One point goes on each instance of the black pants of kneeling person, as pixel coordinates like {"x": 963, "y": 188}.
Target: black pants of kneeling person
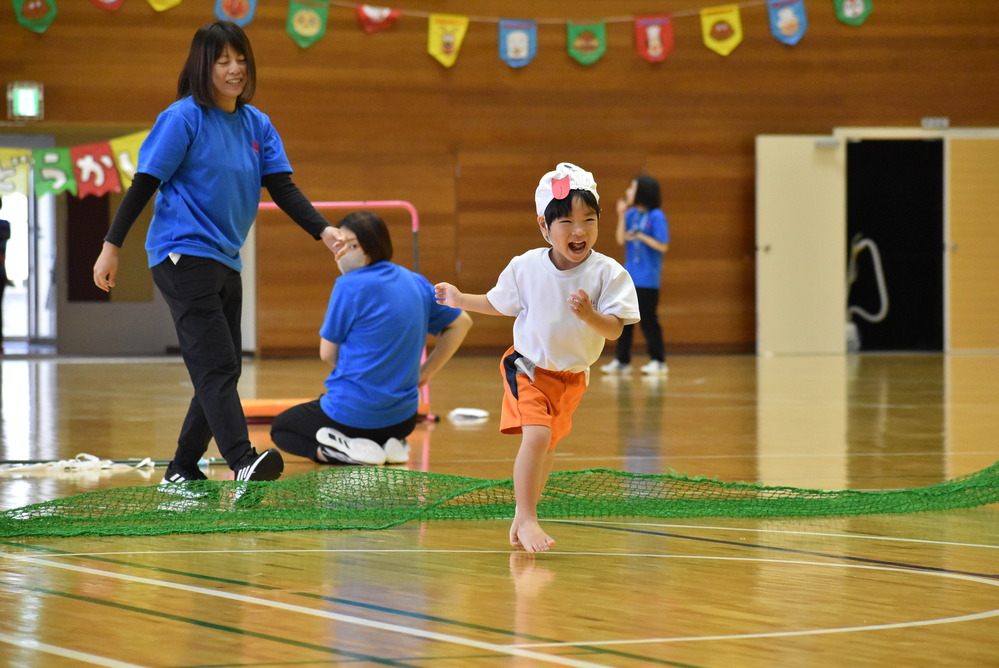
{"x": 206, "y": 301}
{"x": 294, "y": 430}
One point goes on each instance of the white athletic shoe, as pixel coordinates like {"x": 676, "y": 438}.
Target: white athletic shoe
{"x": 615, "y": 366}
{"x": 655, "y": 368}
{"x": 352, "y": 451}
{"x": 396, "y": 451}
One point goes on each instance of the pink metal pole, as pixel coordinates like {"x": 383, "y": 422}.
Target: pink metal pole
{"x": 373, "y": 204}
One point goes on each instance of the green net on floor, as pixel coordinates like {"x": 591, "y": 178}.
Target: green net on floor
{"x": 378, "y": 498}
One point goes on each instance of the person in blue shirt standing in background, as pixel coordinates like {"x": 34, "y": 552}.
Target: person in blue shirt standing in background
{"x": 644, "y": 232}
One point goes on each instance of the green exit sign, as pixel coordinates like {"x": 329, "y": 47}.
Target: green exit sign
{"x": 25, "y": 100}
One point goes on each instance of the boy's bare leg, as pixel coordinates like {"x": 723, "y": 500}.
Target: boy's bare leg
{"x": 530, "y": 473}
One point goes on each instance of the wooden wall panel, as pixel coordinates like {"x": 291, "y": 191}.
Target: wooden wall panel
{"x": 374, "y": 117}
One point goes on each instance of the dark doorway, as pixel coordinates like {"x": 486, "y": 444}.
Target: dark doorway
{"x": 894, "y": 213}
{"x": 87, "y": 223}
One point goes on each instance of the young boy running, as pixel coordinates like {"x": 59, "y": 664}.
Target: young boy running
{"x": 567, "y": 300}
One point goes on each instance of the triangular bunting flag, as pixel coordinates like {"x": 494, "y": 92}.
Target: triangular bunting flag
{"x": 239, "y": 12}
{"x": 587, "y": 42}
{"x": 94, "y": 169}
{"x": 721, "y": 28}
{"x": 373, "y": 19}
{"x": 853, "y": 12}
{"x": 53, "y": 171}
{"x": 15, "y": 165}
{"x": 788, "y": 21}
{"x": 126, "y": 155}
{"x": 307, "y": 21}
{"x": 518, "y": 41}
{"x": 654, "y": 37}
{"x": 163, "y": 5}
{"x": 35, "y": 15}
{"x": 445, "y": 34}
{"x": 108, "y": 5}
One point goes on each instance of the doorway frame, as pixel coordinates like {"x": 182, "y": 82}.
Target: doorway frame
{"x": 803, "y": 339}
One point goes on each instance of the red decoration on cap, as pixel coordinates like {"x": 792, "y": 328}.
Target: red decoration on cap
{"x": 560, "y": 187}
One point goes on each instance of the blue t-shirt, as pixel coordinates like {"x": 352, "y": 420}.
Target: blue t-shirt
{"x": 211, "y": 164}
{"x": 380, "y": 316}
{"x": 644, "y": 263}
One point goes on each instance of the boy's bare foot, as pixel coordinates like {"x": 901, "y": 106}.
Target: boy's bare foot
{"x": 529, "y": 536}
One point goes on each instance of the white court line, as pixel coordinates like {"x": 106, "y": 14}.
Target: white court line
{"x": 46, "y": 561}
{"x": 140, "y": 553}
{"x": 925, "y": 541}
{"x": 807, "y": 632}
{"x": 347, "y": 619}
{"x": 34, "y": 645}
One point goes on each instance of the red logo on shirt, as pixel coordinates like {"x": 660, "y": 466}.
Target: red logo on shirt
{"x": 256, "y": 146}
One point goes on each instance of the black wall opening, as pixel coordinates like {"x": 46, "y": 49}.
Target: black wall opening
{"x": 895, "y": 199}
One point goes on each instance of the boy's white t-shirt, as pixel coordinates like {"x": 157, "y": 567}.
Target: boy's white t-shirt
{"x": 546, "y": 332}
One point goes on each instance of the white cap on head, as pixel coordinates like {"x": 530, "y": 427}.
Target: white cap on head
{"x": 557, "y": 184}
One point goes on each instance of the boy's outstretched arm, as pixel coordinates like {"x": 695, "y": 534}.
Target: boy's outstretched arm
{"x": 608, "y": 326}
{"x": 448, "y": 295}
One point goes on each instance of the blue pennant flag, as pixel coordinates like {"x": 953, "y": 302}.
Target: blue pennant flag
{"x": 788, "y": 21}
{"x": 518, "y": 41}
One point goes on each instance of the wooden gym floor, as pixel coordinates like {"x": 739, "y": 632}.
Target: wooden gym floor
{"x": 917, "y": 590}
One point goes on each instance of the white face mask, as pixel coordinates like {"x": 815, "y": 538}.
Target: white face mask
{"x": 355, "y": 257}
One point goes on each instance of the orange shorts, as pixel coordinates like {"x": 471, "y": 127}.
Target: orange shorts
{"x": 548, "y": 401}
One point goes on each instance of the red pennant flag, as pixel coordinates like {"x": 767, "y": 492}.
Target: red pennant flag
{"x": 654, "y": 37}
{"x": 109, "y": 5}
{"x": 374, "y": 19}
{"x": 95, "y": 170}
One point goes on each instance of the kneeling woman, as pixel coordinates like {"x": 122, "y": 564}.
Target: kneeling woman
{"x": 373, "y": 336}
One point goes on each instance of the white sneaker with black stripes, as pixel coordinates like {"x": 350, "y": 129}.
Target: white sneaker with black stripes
{"x": 336, "y": 448}
{"x": 189, "y": 483}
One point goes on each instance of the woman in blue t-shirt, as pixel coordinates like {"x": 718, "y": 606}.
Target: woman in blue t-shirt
{"x": 373, "y": 335}
{"x": 644, "y": 232}
{"x": 208, "y": 155}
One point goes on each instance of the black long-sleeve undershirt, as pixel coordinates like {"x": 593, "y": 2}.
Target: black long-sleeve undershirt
{"x": 282, "y": 190}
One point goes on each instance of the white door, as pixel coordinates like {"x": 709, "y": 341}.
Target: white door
{"x": 800, "y": 245}
{"x": 973, "y": 242}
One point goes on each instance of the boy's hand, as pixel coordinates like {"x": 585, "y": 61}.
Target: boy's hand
{"x": 448, "y": 295}
{"x": 580, "y": 305}
{"x": 607, "y": 325}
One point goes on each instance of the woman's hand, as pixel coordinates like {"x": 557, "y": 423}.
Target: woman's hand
{"x": 106, "y": 267}
{"x": 333, "y": 238}
{"x": 622, "y": 206}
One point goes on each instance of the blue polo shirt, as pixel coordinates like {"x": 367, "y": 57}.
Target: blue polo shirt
{"x": 644, "y": 263}
{"x": 211, "y": 164}
{"x": 380, "y": 316}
